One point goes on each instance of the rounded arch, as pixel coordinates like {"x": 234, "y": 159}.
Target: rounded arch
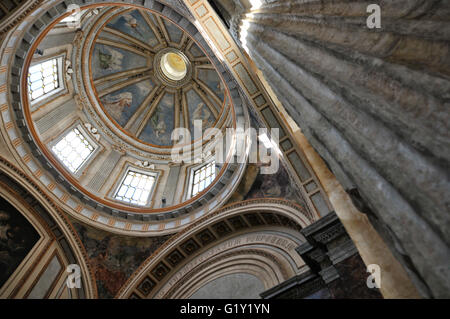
{"x": 58, "y": 241}
{"x": 250, "y": 262}
{"x": 265, "y": 265}
{"x": 257, "y": 236}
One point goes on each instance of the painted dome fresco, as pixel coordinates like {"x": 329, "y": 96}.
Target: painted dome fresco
{"x": 102, "y": 101}
{"x": 150, "y": 77}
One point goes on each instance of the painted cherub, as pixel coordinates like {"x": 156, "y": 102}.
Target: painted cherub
{"x": 117, "y": 103}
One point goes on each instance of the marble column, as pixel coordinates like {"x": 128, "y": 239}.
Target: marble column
{"x": 374, "y": 103}
{"x": 395, "y": 282}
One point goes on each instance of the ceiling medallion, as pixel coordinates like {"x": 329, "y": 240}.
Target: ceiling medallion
{"x": 172, "y": 67}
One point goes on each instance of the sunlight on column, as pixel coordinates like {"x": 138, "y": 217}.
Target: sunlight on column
{"x": 269, "y": 143}
{"x": 256, "y": 4}
{"x": 208, "y": 39}
{"x": 243, "y": 34}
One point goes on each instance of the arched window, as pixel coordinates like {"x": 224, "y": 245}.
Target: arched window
{"x": 45, "y": 79}
{"x": 203, "y": 176}
{"x": 136, "y": 188}
{"x": 73, "y": 149}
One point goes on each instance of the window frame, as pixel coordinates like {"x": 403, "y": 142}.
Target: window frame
{"x": 115, "y": 189}
{"x": 62, "y": 87}
{"x": 190, "y": 180}
{"x": 97, "y": 147}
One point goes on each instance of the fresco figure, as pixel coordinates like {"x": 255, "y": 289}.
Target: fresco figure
{"x": 131, "y": 22}
{"x": 275, "y": 186}
{"x": 116, "y": 104}
{"x": 202, "y": 113}
{"x": 158, "y": 128}
{"x": 158, "y": 124}
{"x": 110, "y": 59}
{"x": 212, "y": 80}
{"x": 17, "y": 237}
{"x": 134, "y": 24}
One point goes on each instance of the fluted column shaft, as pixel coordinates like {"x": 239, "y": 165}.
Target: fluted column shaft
{"x": 376, "y": 102}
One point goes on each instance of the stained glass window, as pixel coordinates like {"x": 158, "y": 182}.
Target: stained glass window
{"x": 136, "y": 188}
{"x": 43, "y": 78}
{"x": 73, "y": 149}
{"x": 203, "y": 176}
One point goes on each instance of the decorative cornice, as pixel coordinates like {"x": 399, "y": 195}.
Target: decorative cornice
{"x": 261, "y": 201}
{"x": 19, "y": 14}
